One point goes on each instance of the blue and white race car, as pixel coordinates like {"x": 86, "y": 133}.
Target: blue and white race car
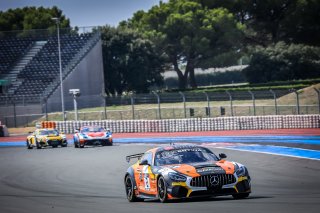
{"x": 92, "y": 135}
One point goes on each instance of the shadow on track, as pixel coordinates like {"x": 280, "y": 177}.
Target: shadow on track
{"x": 212, "y": 199}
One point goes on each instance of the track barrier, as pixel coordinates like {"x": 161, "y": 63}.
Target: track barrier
{"x": 3, "y": 131}
{"x": 48, "y": 124}
{"x": 194, "y": 124}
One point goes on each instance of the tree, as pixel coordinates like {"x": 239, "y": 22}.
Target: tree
{"x": 29, "y": 18}
{"x": 130, "y": 62}
{"x": 282, "y": 62}
{"x": 302, "y": 24}
{"x": 286, "y": 32}
{"x": 271, "y": 21}
{"x": 189, "y": 34}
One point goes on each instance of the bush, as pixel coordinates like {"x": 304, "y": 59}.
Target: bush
{"x": 215, "y": 78}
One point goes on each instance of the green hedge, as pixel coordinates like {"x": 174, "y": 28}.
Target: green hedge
{"x": 297, "y": 84}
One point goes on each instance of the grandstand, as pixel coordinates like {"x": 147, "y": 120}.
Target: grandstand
{"x": 29, "y": 63}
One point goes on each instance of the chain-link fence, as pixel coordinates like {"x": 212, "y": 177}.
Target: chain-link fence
{"x": 165, "y": 106}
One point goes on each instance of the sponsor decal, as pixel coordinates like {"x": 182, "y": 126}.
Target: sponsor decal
{"x": 210, "y": 169}
{"x": 140, "y": 176}
{"x": 174, "y": 167}
{"x": 146, "y": 178}
{"x": 146, "y": 182}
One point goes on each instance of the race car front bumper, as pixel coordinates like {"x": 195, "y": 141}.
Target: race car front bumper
{"x": 185, "y": 190}
{"x": 97, "y": 142}
{"x": 54, "y": 143}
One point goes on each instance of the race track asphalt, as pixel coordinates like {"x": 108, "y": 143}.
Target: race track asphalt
{"x": 91, "y": 180}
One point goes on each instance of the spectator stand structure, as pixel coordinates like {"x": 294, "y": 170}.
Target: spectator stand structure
{"x": 30, "y": 63}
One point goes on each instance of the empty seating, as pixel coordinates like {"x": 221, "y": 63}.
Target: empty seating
{"x": 11, "y": 49}
{"x": 43, "y": 69}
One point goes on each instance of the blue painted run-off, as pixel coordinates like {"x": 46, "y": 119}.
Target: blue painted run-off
{"x": 280, "y": 150}
{"x": 310, "y": 140}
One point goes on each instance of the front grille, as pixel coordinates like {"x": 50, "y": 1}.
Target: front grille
{"x": 97, "y": 142}
{"x": 213, "y": 180}
{"x": 53, "y": 142}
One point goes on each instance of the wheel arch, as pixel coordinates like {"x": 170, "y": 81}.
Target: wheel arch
{"x": 130, "y": 172}
{"x": 158, "y": 177}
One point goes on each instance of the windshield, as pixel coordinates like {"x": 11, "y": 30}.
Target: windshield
{"x": 49, "y": 132}
{"x": 184, "y": 156}
{"x": 92, "y": 129}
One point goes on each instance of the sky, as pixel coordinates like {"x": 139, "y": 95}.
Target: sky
{"x": 83, "y": 13}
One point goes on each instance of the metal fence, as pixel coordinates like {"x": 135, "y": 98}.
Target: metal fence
{"x": 165, "y": 106}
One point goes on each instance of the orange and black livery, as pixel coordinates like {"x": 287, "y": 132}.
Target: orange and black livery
{"x": 184, "y": 171}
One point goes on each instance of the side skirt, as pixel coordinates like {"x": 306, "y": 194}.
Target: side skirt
{"x": 146, "y": 196}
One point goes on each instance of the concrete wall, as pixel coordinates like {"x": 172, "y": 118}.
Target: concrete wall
{"x": 88, "y": 77}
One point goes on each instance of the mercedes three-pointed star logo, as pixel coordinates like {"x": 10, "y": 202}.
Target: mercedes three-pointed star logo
{"x": 214, "y": 180}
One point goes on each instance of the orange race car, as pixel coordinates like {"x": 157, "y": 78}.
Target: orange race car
{"x": 184, "y": 171}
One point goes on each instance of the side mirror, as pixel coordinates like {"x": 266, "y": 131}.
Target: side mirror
{"x": 222, "y": 155}
{"x": 30, "y": 132}
{"x": 75, "y": 131}
{"x": 144, "y": 162}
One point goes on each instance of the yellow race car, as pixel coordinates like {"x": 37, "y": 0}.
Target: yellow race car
{"x": 46, "y": 137}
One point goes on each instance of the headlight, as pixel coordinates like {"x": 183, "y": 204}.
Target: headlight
{"x": 241, "y": 170}
{"x": 176, "y": 177}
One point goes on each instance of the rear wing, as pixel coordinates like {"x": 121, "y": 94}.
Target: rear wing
{"x": 129, "y": 157}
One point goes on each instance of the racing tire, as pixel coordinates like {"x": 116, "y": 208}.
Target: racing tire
{"x": 107, "y": 144}
{"x": 81, "y": 145}
{"x": 64, "y": 145}
{"x": 29, "y": 146}
{"x": 76, "y": 144}
{"x": 240, "y": 196}
{"x": 162, "y": 190}
{"x": 38, "y": 145}
{"x": 128, "y": 182}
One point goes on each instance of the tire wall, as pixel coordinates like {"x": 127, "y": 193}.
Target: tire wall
{"x": 197, "y": 124}
{"x": 4, "y": 131}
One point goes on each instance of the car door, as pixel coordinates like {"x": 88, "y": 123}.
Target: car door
{"x": 147, "y": 182}
{"x": 33, "y": 138}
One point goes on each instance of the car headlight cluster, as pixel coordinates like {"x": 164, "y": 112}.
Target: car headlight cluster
{"x": 41, "y": 139}
{"x": 177, "y": 177}
{"x": 84, "y": 136}
{"x": 241, "y": 170}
